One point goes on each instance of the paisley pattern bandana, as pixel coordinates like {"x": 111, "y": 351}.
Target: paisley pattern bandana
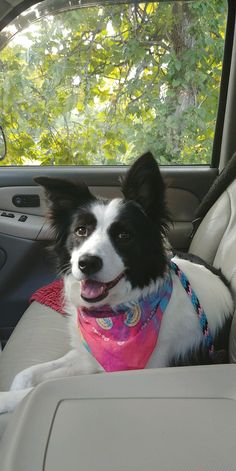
{"x": 124, "y": 338}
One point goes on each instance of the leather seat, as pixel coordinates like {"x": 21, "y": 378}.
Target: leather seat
{"x": 41, "y": 334}
{"x": 215, "y": 242}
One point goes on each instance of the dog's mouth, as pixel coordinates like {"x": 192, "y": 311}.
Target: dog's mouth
{"x": 93, "y": 291}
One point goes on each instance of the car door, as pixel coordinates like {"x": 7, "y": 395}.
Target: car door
{"x": 104, "y": 147}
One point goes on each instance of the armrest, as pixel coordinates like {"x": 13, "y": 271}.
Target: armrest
{"x": 165, "y": 419}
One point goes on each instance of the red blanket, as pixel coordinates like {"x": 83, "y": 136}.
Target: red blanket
{"x": 50, "y": 295}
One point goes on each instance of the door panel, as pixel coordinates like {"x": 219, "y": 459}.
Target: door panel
{"x": 27, "y": 267}
{"x": 24, "y": 262}
{"x": 23, "y": 225}
{"x": 30, "y": 223}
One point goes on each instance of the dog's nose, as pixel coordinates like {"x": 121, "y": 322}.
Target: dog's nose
{"x": 90, "y": 264}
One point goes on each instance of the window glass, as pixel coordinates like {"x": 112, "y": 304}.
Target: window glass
{"x": 99, "y": 84}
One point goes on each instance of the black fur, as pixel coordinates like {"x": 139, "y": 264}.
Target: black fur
{"x": 142, "y": 222}
{"x": 63, "y": 200}
{"x": 144, "y": 185}
{"x": 143, "y": 215}
{"x": 142, "y": 253}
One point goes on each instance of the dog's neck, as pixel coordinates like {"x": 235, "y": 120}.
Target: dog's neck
{"x": 124, "y": 338}
{"x": 148, "y": 300}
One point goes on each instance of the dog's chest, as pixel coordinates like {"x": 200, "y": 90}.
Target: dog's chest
{"x": 124, "y": 341}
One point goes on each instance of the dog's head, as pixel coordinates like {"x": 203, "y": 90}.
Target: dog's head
{"x": 110, "y": 250}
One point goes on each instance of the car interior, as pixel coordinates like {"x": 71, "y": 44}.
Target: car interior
{"x": 170, "y": 418}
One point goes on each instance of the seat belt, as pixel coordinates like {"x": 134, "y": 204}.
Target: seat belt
{"x": 222, "y": 182}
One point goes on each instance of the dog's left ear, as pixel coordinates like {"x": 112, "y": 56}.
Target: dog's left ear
{"x": 63, "y": 194}
{"x": 144, "y": 185}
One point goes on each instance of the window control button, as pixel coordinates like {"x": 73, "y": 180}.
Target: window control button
{"x": 27, "y": 201}
{"x": 22, "y": 218}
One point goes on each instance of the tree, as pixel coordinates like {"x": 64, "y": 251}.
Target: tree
{"x": 100, "y": 85}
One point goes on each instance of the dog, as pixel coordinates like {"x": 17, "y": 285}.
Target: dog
{"x": 136, "y": 306}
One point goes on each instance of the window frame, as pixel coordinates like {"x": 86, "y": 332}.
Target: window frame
{"x": 221, "y": 126}
{"x": 225, "y": 76}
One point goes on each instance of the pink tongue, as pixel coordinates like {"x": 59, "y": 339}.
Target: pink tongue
{"x": 92, "y": 289}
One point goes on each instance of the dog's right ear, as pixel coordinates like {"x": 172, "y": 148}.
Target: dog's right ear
{"x": 144, "y": 185}
{"x": 64, "y": 195}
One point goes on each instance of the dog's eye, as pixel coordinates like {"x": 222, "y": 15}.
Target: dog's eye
{"x": 81, "y": 231}
{"x": 124, "y": 236}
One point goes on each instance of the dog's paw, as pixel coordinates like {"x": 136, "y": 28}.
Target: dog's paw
{"x": 7, "y": 402}
{"x": 4, "y": 402}
{"x": 23, "y": 380}
{"x": 10, "y": 399}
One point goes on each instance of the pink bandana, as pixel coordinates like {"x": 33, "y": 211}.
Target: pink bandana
{"x": 124, "y": 338}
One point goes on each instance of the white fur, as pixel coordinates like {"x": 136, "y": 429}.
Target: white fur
{"x": 180, "y": 330}
{"x": 99, "y": 244}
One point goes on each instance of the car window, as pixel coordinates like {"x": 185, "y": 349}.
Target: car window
{"x": 99, "y": 84}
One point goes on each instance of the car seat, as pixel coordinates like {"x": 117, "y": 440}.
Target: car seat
{"x": 41, "y": 334}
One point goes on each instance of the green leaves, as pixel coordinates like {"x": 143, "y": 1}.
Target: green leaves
{"x": 100, "y": 85}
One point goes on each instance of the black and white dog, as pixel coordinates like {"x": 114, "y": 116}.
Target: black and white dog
{"x": 118, "y": 275}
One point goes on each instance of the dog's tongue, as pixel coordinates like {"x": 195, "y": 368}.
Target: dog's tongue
{"x": 91, "y": 289}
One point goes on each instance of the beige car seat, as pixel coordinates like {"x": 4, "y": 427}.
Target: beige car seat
{"x": 215, "y": 242}
{"x": 41, "y": 334}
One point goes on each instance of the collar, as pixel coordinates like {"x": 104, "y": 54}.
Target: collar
{"x": 202, "y": 318}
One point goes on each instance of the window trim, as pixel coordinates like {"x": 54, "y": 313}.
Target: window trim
{"x": 226, "y": 65}
{"x": 15, "y": 11}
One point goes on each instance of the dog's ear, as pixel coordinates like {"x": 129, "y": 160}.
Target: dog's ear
{"x": 63, "y": 194}
{"x": 144, "y": 185}
{"x": 62, "y": 198}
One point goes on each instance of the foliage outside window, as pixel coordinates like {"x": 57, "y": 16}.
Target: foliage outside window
{"x": 101, "y": 84}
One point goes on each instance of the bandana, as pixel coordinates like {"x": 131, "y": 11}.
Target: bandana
{"x": 124, "y": 338}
